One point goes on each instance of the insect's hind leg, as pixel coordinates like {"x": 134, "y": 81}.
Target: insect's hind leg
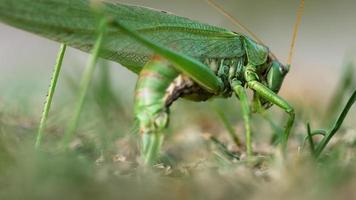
{"x": 151, "y": 108}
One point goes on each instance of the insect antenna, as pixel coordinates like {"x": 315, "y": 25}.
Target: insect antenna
{"x": 232, "y": 19}
{"x": 295, "y": 32}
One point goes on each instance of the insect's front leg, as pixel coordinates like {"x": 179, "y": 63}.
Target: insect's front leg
{"x": 246, "y": 113}
{"x": 264, "y": 92}
{"x": 151, "y": 108}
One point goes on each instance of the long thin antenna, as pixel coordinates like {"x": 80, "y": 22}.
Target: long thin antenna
{"x": 233, "y": 19}
{"x": 295, "y": 31}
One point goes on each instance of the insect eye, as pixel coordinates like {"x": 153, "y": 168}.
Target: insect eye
{"x": 275, "y": 75}
{"x": 284, "y": 68}
{"x": 281, "y": 69}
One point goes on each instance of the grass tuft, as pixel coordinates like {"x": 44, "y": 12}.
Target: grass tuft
{"x": 336, "y": 125}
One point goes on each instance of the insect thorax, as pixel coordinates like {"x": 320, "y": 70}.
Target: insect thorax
{"x": 225, "y": 68}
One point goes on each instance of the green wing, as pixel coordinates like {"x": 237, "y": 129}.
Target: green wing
{"x": 74, "y": 22}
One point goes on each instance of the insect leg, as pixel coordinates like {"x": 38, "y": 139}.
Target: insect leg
{"x": 196, "y": 70}
{"x": 264, "y": 92}
{"x": 241, "y": 93}
{"x": 151, "y": 108}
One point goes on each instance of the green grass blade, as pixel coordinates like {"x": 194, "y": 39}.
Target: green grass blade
{"x": 336, "y": 126}
{"x": 50, "y": 94}
{"x": 311, "y": 134}
{"x": 224, "y": 150}
{"x": 346, "y": 83}
{"x": 310, "y": 139}
{"x": 85, "y": 82}
{"x": 230, "y": 129}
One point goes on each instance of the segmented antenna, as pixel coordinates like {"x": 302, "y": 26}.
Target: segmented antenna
{"x": 295, "y": 31}
{"x": 235, "y": 21}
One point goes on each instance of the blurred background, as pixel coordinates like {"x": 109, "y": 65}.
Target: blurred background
{"x": 104, "y": 157}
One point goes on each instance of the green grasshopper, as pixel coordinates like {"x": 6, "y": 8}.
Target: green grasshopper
{"x": 174, "y": 57}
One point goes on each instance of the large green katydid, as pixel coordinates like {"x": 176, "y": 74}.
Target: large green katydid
{"x": 174, "y": 57}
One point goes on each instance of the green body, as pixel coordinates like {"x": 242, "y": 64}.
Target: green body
{"x": 174, "y": 56}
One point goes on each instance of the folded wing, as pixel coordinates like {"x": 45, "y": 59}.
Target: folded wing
{"x": 75, "y": 21}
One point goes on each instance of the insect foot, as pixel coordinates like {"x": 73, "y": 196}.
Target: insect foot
{"x": 151, "y": 129}
{"x": 150, "y": 124}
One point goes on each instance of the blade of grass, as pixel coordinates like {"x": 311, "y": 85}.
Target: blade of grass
{"x": 277, "y": 131}
{"x": 345, "y": 84}
{"x": 230, "y": 129}
{"x": 223, "y": 149}
{"x": 312, "y": 134}
{"x": 336, "y": 126}
{"x": 51, "y": 90}
{"x": 310, "y": 139}
{"x": 104, "y": 93}
{"x": 84, "y": 85}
